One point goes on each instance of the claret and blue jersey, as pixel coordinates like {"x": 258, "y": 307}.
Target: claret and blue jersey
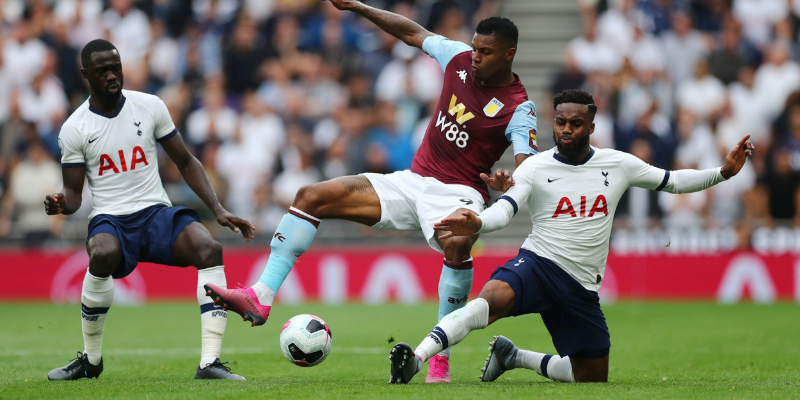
{"x": 473, "y": 125}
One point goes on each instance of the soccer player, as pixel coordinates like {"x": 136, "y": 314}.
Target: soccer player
{"x": 111, "y": 141}
{"x": 572, "y": 192}
{"x": 482, "y": 110}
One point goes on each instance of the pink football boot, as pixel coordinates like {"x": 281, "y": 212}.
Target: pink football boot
{"x": 438, "y": 370}
{"x": 242, "y": 300}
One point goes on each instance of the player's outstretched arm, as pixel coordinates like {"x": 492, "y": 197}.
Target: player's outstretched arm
{"x": 410, "y": 32}
{"x": 195, "y": 176}
{"x": 69, "y": 199}
{"x": 501, "y": 181}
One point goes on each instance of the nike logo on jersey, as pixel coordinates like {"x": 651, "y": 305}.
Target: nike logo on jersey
{"x": 463, "y": 76}
{"x": 466, "y": 201}
{"x": 94, "y": 139}
{"x": 550, "y": 180}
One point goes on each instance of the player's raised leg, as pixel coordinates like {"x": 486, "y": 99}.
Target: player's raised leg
{"x": 195, "y": 246}
{"x": 97, "y": 294}
{"x": 351, "y": 198}
{"x": 455, "y": 284}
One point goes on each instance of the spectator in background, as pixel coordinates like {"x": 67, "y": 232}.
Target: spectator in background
{"x": 82, "y": 19}
{"x": 395, "y": 145}
{"x": 615, "y": 26}
{"x": 44, "y": 102}
{"x": 758, "y": 17}
{"x": 214, "y": 121}
{"x": 731, "y": 54}
{"x": 704, "y": 95}
{"x": 781, "y": 187}
{"x": 243, "y": 57}
{"x": 568, "y": 77}
{"x": 298, "y": 168}
{"x": 683, "y": 48}
{"x": 592, "y": 54}
{"x": 129, "y": 30}
{"x": 638, "y": 208}
{"x": 775, "y": 80}
{"x": 24, "y": 55}
{"x": 22, "y": 214}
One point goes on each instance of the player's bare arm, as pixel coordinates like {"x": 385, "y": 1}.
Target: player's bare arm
{"x": 410, "y": 32}
{"x": 737, "y": 157}
{"x": 69, "y": 199}
{"x": 195, "y": 176}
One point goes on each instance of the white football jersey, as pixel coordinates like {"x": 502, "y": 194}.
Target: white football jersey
{"x": 119, "y": 152}
{"x": 572, "y": 205}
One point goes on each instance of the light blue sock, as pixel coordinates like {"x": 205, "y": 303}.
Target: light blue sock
{"x": 292, "y": 238}
{"x": 454, "y": 288}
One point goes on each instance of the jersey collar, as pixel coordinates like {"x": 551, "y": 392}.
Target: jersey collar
{"x": 109, "y": 116}
{"x": 569, "y": 162}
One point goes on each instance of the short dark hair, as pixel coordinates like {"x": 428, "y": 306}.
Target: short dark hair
{"x": 94, "y": 46}
{"x": 577, "y": 97}
{"x": 502, "y": 28}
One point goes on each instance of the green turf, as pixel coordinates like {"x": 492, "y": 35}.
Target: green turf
{"x": 660, "y": 350}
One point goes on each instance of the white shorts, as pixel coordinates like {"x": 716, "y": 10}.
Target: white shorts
{"x": 410, "y": 202}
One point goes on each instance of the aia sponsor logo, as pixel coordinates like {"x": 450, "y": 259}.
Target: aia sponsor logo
{"x": 565, "y": 207}
{"x": 108, "y": 164}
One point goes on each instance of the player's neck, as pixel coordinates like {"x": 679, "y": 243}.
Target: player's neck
{"x": 501, "y": 80}
{"x": 105, "y": 105}
{"x": 578, "y": 156}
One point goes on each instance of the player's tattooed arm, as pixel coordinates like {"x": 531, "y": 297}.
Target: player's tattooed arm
{"x": 358, "y": 183}
{"x": 69, "y": 199}
{"x": 410, "y": 32}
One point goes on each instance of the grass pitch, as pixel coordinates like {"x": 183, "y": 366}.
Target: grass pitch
{"x": 659, "y": 350}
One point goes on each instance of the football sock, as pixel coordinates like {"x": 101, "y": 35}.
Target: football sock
{"x": 212, "y": 317}
{"x": 454, "y": 327}
{"x": 97, "y": 294}
{"x": 292, "y": 238}
{"x": 455, "y": 284}
{"x": 550, "y": 366}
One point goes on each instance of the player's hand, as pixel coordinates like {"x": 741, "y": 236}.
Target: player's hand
{"x": 236, "y": 224}
{"x": 342, "y": 4}
{"x": 465, "y": 225}
{"x": 54, "y": 203}
{"x": 501, "y": 181}
{"x": 735, "y": 160}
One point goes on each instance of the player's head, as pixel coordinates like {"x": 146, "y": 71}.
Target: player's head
{"x": 574, "y": 121}
{"x": 102, "y": 68}
{"x": 494, "y": 46}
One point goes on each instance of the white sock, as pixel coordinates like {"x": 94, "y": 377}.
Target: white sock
{"x": 264, "y": 293}
{"x": 97, "y": 294}
{"x": 454, "y": 327}
{"x": 554, "y": 367}
{"x": 212, "y": 318}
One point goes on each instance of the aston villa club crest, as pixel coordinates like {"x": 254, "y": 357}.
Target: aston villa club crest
{"x": 532, "y": 140}
{"x": 493, "y": 108}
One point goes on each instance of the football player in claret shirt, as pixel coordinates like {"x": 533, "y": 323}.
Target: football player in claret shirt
{"x": 483, "y": 109}
{"x": 572, "y": 192}
{"x": 110, "y": 140}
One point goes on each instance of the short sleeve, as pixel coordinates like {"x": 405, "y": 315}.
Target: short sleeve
{"x": 69, "y": 141}
{"x": 521, "y": 130}
{"x": 443, "y": 49}
{"x": 643, "y": 175}
{"x": 164, "y": 128}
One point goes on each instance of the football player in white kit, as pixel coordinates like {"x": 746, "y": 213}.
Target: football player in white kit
{"x": 111, "y": 141}
{"x": 572, "y": 192}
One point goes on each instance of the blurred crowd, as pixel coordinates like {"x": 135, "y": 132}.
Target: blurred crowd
{"x": 270, "y": 95}
{"x": 679, "y": 83}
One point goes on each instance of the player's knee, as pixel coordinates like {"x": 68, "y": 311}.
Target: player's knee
{"x": 104, "y": 260}
{"x": 309, "y": 199}
{"x": 457, "y": 248}
{"x": 209, "y": 255}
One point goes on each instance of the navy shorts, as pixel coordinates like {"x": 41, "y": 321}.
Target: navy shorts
{"x": 147, "y": 235}
{"x": 571, "y": 313}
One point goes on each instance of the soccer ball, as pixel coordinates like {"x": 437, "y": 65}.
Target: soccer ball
{"x": 306, "y": 340}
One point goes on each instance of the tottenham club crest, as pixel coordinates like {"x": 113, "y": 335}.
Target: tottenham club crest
{"x": 493, "y": 107}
